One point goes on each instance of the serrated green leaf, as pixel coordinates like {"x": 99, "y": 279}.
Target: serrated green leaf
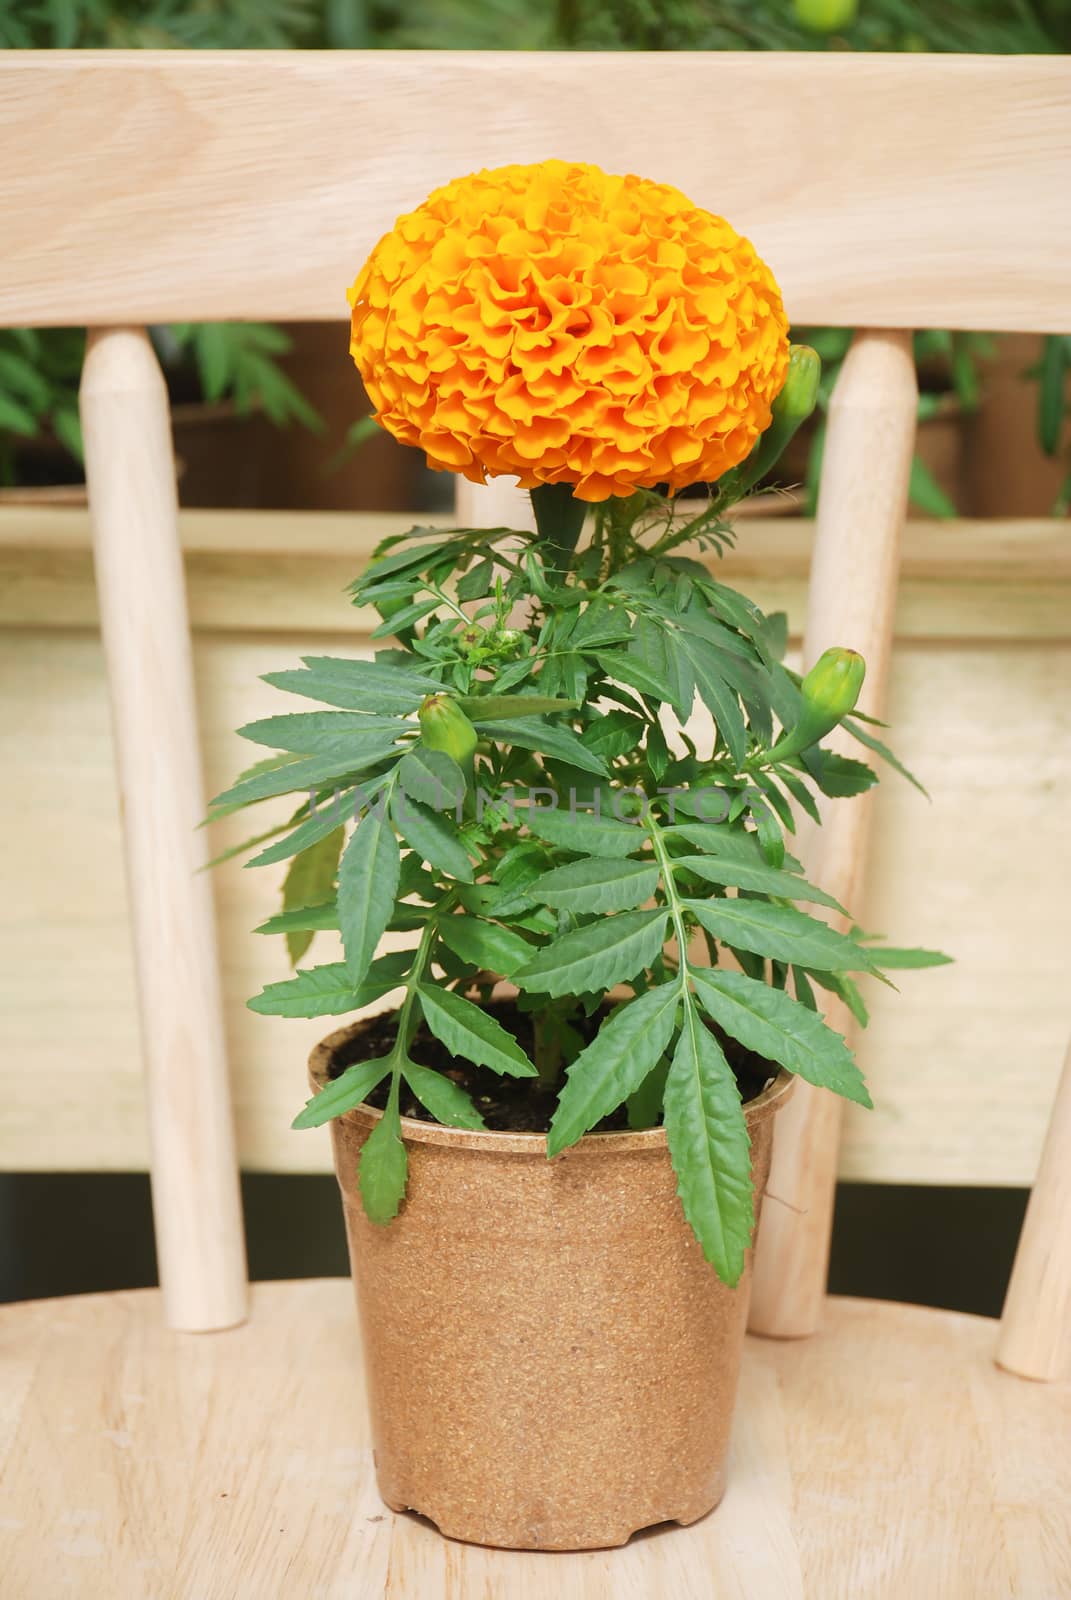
{"x": 356, "y": 685}
{"x": 432, "y": 777}
{"x": 710, "y": 1148}
{"x": 729, "y": 844}
{"x": 310, "y": 733}
{"x": 477, "y": 581}
{"x": 758, "y": 877}
{"x": 583, "y": 832}
{"x": 597, "y": 956}
{"x": 310, "y": 882}
{"x": 883, "y": 751}
{"x": 627, "y": 1047}
{"x": 303, "y": 919}
{"x": 432, "y": 836}
{"x": 780, "y": 1029}
{"x": 838, "y": 776}
{"x": 505, "y": 707}
{"x": 615, "y": 733}
{"x": 367, "y": 886}
{"x": 472, "y": 1034}
{"x": 782, "y": 933}
{"x": 545, "y": 739}
{"x": 893, "y": 959}
{"x": 328, "y": 991}
{"x": 312, "y": 773}
{"x": 446, "y": 1100}
{"x": 383, "y": 1166}
{"x": 845, "y": 989}
{"x": 327, "y": 817}
{"x": 351, "y": 1088}
{"x": 598, "y": 884}
{"x": 626, "y": 666}
{"x": 716, "y": 694}
{"x": 485, "y": 944}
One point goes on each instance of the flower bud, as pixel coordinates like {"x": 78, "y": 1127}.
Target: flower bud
{"x": 444, "y": 726}
{"x": 829, "y": 692}
{"x": 795, "y": 402}
{"x": 832, "y": 686}
{"x": 799, "y": 392}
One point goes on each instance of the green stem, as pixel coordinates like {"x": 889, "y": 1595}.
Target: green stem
{"x": 559, "y": 519}
{"x": 673, "y": 900}
{"x": 407, "y": 1020}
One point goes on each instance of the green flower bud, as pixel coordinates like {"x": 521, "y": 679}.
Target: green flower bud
{"x": 825, "y": 16}
{"x": 832, "y": 686}
{"x": 444, "y": 726}
{"x": 799, "y": 392}
{"x": 830, "y": 691}
{"x": 794, "y": 404}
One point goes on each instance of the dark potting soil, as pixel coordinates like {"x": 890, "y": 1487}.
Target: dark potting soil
{"x": 509, "y": 1105}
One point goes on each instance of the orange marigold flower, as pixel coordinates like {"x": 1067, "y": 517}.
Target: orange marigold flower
{"x": 566, "y": 326}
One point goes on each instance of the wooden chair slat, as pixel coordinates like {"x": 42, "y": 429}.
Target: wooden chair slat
{"x": 131, "y": 475}
{"x": 852, "y": 601}
{"x": 887, "y": 190}
{"x": 1035, "y": 1330}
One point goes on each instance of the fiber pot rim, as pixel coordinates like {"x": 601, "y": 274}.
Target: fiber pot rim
{"x": 417, "y": 1132}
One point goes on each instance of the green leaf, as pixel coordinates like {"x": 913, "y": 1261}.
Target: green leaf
{"x": 485, "y": 944}
{"x": 729, "y": 844}
{"x": 759, "y": 878}
{"x": 780, "y": 932}
{"x": 883, "y": 751}
{"x": 367, "y": 885}
{"x": 311, "y": 733}
{"x": 844, "y": 988}
{"x": 477, "y": 581}
{"x": 546, "y": 739}
{"x": 469, "y": 1032}
{"x": 446, "y": 1100}
{"x": 626, "y": 666}
{"x": 627, "y": 1047}
{"x": 310, "y": 882}
{"x": 383, "y": 1166}
{"x": 926, "y": 494}
{"x": 597, "y": 956}
{"x": 328, "y": 991}
{"x": 780, "y": 1029}
{"x": 615, "y": 733}
{"x": 433, "y": 777}
{"x": 312, "y": 773}
{"x": 888, "y": 957}
{"x": 597, "y": 884}
{"x": 838, "y": 776}
{"x": 503, "y": 707}
{"x": 432, "y": 836}
{"x": 303, "y": 919}
{"x": 356, "y": 685}
{"x": 710, "y": 1148}
{"x": 325, "y": 819}
{"x": 351, "y": 1088}
{"x": 644, "y": 1105}
{"x": 584, "y": 832}
{"x": 720, "y": 700}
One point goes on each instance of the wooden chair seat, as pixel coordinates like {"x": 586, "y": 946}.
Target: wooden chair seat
{"x": 885, "y": 1457}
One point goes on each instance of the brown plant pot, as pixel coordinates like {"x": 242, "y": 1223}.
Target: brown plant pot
{"x": 551, "y": 1363}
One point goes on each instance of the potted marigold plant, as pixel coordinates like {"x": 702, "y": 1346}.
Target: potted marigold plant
{"x": 551, "y": 1152}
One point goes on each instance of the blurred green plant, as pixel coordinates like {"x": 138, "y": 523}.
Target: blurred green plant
{"x": 39, "y": 374}
{"x": 948, "y": 365}
{"x": 226, "y": 361}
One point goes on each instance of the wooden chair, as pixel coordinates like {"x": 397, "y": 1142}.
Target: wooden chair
{"x": 887, "y": 1455}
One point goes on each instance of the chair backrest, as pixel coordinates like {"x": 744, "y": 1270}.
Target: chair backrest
{"x": 888, "y": 193}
